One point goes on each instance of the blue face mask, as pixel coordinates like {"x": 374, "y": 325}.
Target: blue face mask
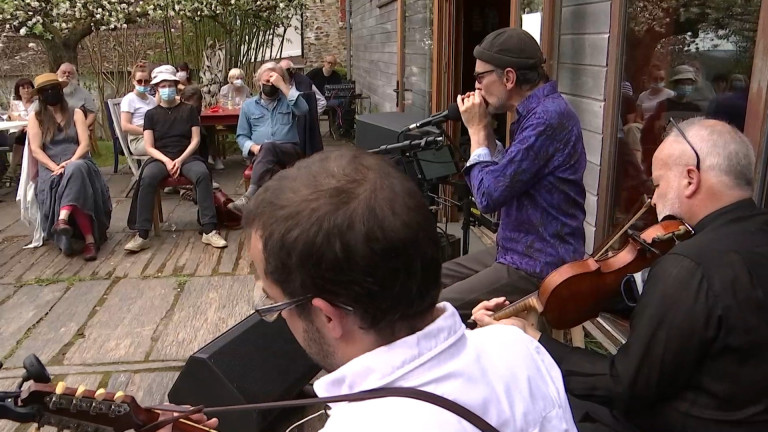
{"x": 142, "y": 89}
{"x": 168, "y": 94}
{"x": 684, "y": 90}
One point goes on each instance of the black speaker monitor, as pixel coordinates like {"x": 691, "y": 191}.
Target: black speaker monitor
{"x": 254, "y": 361}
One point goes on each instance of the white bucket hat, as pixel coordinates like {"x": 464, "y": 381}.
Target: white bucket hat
{"x": 164, "y": 73}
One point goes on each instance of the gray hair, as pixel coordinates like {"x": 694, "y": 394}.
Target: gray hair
{"x": 268, "y": 66}
{"x": 722, "y": 148}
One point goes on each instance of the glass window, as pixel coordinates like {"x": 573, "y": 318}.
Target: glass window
{"x": 681, "y": 60}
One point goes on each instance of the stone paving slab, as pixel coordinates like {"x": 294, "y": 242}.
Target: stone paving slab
{"x": 61, "y": 323}
{"x": 230, "y": 254}
{"x": 122, "y": 329}
{"x": 207, "y": 307}
{"x": 90, "y": 381}
{"x": 151, "y": 388}
{"x": 161, "y": 255}
{"x": 113, "y": 367}
{"x": 5, "y": 385}
{"x": 23, "y": 310}
{"x": 5, "y": 291}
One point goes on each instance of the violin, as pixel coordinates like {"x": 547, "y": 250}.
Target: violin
{"x": 578, "y": 291}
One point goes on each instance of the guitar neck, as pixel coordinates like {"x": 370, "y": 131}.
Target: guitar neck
{"x": 525, "y": 304}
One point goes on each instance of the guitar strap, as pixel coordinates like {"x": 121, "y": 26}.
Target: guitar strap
{"x": 412, "y": 393}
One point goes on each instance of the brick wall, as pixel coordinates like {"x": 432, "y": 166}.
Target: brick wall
{"x": 324, "y": 31}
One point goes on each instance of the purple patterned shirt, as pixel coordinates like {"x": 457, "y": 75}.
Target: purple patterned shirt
{"x": 537, "y": 183}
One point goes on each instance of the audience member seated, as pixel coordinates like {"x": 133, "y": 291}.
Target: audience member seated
{"x": 267, "y": 131}
{"x": 184, "y": 75}
{"x": 326, "y": 74}
{"x": 133, "y": 108}
{"x": 21, "y": 107}
{"x": 76, "y": 95}
{"x": 236, "y": 91}
{"x": 171, "y": 137}
{"x": 308, "y": 126}
{"x": 71, "y": 194}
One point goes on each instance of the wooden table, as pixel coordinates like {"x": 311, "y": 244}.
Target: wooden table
{"x": 224, "y": 117}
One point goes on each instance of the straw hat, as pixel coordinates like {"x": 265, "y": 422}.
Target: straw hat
{"x": 47, "y": 79}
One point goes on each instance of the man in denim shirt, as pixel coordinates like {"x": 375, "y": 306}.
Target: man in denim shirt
{"x": 266, "y": 130}
{"x": 536, "y": 182}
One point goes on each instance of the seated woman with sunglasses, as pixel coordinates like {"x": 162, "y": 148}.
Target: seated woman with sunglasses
{"x": 69, "y": 185}
{"x": 133, "y": 107}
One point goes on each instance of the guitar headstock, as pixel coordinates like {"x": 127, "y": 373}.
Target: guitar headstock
{"x": 84, "y": 410}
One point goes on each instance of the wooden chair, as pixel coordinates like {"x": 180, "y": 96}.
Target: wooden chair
{"x": 157, "y": 215}
{"x": 134, "y": 162}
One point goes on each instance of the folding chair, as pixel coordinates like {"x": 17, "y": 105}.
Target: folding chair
{"x": 134, "y": 162}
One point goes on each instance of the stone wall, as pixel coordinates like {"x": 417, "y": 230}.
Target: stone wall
{"x": 324, "y": 32}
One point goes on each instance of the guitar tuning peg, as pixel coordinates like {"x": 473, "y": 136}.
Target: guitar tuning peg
{"x": 119, "y": 396}
{"x": 100, "y": 394}
{"x": 61, "y": 386}
{"x": 80, "y": 391}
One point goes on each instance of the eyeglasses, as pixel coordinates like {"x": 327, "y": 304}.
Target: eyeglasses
{"x": 269, "y": 310}
{"x": 479, "y": 75}
{"x": 682, "y": 134}
{"x": 142, "y": 81}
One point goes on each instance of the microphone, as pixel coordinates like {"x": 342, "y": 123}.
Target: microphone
{"x": 452, "y": 113}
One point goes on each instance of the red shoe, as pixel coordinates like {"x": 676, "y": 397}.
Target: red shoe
{"x": 89, "y": 252}
{"x": 62, "y": 227}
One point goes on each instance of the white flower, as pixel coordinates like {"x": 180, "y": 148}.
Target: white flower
{"x": 23, "y": 31}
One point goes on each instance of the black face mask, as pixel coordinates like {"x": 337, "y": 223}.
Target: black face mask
{"x": 269, "y": 90}
{"x": 52, "y": 97}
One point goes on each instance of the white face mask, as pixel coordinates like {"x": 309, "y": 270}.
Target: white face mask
{"x": 238, "y": 83}
{"x": 181, "y": 75}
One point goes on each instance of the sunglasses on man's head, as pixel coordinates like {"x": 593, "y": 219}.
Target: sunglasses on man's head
{"x": 687, "y": 141}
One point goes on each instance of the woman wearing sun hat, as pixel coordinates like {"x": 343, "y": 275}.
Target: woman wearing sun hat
{"x": 71, "y": 194}
{"x": 172, "y": 138}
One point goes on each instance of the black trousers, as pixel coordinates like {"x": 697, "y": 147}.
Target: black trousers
{"x": 273, "y": 157}
{"x": 155, "y": 172}
{"x": 475, "y": 277}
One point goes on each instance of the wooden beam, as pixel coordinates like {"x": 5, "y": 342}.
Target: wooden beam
{"x": 549, "y": 18}
{"x": 515, "y": 20}
{"x": 611, "y": 122}
{"x": 401, "y": 55}
{"x": 757, "y": 104}
{"x": 438, "y": 58}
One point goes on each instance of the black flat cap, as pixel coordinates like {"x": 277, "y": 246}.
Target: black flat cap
{"x": 510, "y": 48}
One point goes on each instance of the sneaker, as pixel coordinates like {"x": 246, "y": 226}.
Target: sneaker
{"x": 137, "y": 244}
{"x": 171, "y": 190}
{"x": 210, "y": 160}
{"x": 239, "y": 205}
{"x": 218, "y": 164}
{"x": 214, "y": 239}
{"x": 216, "y": 185}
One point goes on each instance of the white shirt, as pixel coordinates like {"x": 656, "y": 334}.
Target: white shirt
{"x": 498, "y": 372}
{"x": 321, "y": 102}
{"x": 137, "y": 107}
{"x": 648, "y": 102}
